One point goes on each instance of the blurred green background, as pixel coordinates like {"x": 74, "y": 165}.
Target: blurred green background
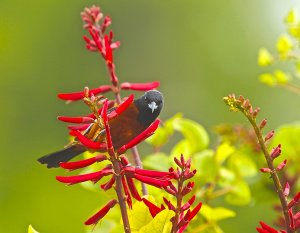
{"x": 199, "y": 50}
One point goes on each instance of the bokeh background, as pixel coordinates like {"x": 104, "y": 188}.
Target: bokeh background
{"x": 199, "y": 50}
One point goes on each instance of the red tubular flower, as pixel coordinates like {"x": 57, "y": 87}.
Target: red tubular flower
{"x": 108, "y": 184}
{"x": 127, "y": 194}
{"x": 87, "y": 142}
{"x": 94, "y": 177}
{"x": 122, "y": 107}
{"x": 77, "y": 120}
{"x": 110, "y": 148}
{"x": 139, "y": 86}
{"x": 143, "y": 172}
{"x": 141, "y": 137}
{"x": 266, "y": 228}
{"x": 106, "y": 23}
{"x": 269, "y": 135}
{"x": 134, "y": 193}
{"x": 96, "y": 40}
{"x": 169, "y": 204}
{"x": 281, "y": 165}
{"x": 189, "y": 203}
{"x": 154, "y": 210}
{"x": 286, "y": 191}
{"x": 82, "y": 163}
{"x": 276, "y": 151}
{"x": 265, "y": 170}
{"x": 80, "y": 95}
{"x": 78, "y": 127}
{"x": 294, "y": 200}
{"x": 159, "y": 183}
{"x": 108, "y": 52}
{"x": 101, "y": 213}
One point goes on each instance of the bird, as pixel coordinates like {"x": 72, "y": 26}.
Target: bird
{"x": 139, "y": 115}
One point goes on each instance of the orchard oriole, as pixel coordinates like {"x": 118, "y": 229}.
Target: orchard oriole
{"x": 129, "y": 124}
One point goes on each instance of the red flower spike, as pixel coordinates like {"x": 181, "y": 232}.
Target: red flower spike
{"x": 152, "y": 181}
{"x": 281, "y": 165}
{"x": 87, "y": 142}
{"x": 127, "y": 194}
{"x": 77, "y": 120}
{"x": 80, "y": 95}
{"x": 269, "y": 135}
{"x": 276, "y": 151}
{"x": 265, "y": 170}
{"x": 134, "y": 193}
{"x": 286, "y": 191}
{"x": 154, "y": 210}
{"x": 294, "y": 200}
{"x": 94, "y": 177}
{"x": 108, "y": 184}
{"x": 122, "y": 107}
{"x": 78, "y": 127}
{"x": 101, "y": 213}
{"x": 141, "y": 137}
{"x": 139, "y": 86}
{"x": 82, "y": 163}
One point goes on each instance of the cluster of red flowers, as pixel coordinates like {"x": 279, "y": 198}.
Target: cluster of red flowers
{"x": 291, "y": 221}
{"x": 121, "y": 173}
{"x": 183, "y": 212}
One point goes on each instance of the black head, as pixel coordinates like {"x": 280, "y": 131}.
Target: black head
{"x": 149, "y": 106}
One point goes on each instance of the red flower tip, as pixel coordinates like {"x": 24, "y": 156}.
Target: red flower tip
{"x": 294, "y": 200}
{"x": 265, "y": 170}
{"x": 78, "y": 127}
{"x": 80, "y": 95}
{"x": 263, "y": 124}
{"x": 281, "y": 165}
{"x": 87, "y": 142}
{"x": 139, "y": 86}
{"x": 154, "y": 210}
{"x": 276, "y": 151}
{"x": 141, "y": 137}
{"x": 286, "y": 191}
{"x": 269, "y": 135}
{"x": 122, "y": 107}
{"x": 77, "y": 120}
{"x": 101, "y": 213}
{"x": 94, "y": 177}
{"x": 266, "y": 228}
{"x": 82, "y": 163}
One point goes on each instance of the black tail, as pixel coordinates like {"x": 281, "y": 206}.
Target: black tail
{"x": 53, "y": 159}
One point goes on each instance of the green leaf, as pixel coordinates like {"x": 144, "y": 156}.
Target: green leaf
{"x": 160, "y": 224}
{"x": 227, "y": 177}
{"x": 264, "y": 57}
{"x": 31, "y": 230}
{"x": 284, "y": 45}
{"x": 216, "y": 214}
{"x": 139, "y": 216}
{"x": 224, "y": 151}
{"x": 242, "y": 165}
{"x": 240, "y": 193}
{"x": 163, "y": 133}
{"x": 193, "y": 132}
{"x": 182, "y": 147}
{"x": 157, "y": 161}
{"x": 267, "y": 79}
{"x": 206, "y": 165}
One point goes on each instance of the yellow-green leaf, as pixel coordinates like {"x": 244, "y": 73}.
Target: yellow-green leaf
{"x": 160, "y": 224}
{"x": 157, "y": 161}
{"x": 284, "y": 45}
{"x": 139, "y": 216}
{"x": 223, "y": 151}
{"x": 264, "y": 57}
{"x": 216, "y": 214}
{"x": 292, "y": 17}
{"x": 281, "y": 77}
{"x": 240, "y": 193}
{"x": 267, "y": 79}
{"x": 31, "y": 229}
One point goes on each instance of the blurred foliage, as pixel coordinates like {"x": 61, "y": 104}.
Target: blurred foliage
{"x": 200, "y": 51}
